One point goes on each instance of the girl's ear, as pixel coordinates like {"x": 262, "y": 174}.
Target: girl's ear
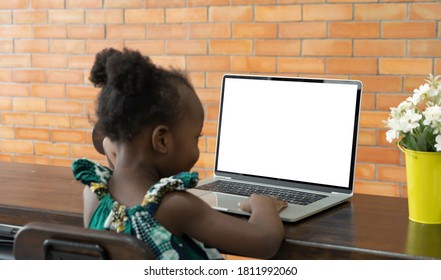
{"x": 160, "y": 139}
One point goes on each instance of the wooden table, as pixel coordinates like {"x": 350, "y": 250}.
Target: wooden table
{"x": 32, "y": 192}
{"x": 366, "y": 227}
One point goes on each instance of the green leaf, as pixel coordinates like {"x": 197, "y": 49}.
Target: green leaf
{"x": 410, "y": 143}
{"x": 422, "y": 143}
{"x": 430, "y": 139}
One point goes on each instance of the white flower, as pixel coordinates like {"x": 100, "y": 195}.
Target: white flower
{"x": 391, "y": 135}
{"x": 436, "y": 128}
{"x": 409, "y": 121}
{"x": 432, "y": 115}
{"x": 404, "y": 106}
{"x": 417, "y": 120}
{"x": 394, "y": 124}
{"x": 420, "y": 92}
{"x": 423, "y": 89}
{"x": 438, "y": 143}
{"x": 433, "y": 92}
{"x": 401, "y": 109}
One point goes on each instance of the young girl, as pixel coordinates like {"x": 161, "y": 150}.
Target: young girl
{"x": 154, "y": 119}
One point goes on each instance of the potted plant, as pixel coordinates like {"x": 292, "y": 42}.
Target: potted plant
{"x": 415, "y": 125}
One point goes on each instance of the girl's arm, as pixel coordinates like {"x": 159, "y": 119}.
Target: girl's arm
{"x": 90, "y": 203}
{"x": 260, "y": 236}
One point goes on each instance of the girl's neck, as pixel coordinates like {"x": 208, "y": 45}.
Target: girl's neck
{"x": 131, "y": 178}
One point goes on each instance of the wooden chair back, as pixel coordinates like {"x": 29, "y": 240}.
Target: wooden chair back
{"x": 43, "y": 240}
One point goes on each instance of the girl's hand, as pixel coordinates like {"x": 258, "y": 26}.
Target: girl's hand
{"x": 256, "y": 200}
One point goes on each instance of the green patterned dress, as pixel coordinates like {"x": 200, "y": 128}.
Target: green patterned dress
{"x": 139, "y": 220}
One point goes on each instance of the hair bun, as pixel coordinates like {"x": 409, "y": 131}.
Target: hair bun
{"x": 129, "y": 70}
{"x": 98, "y": 74}
{"x": 125, "y": 72}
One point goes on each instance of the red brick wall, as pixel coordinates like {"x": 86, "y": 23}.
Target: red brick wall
{"x": 47, "y": 48}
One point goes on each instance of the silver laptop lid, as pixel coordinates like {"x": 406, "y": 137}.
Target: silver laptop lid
{"x": 300, "y": 132}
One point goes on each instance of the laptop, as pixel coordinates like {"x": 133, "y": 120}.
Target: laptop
{"x": 295, "y": 138}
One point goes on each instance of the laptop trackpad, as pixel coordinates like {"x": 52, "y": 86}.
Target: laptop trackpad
{"x": 225, "y": 203}
{"x": 222, "y": 202}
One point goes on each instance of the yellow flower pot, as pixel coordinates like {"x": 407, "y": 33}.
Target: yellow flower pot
{"x": 423, "y": 173}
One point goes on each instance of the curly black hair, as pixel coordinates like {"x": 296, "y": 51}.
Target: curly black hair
{"x": 135, "y": 92}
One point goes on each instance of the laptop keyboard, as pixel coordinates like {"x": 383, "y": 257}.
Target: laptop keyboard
{"x": 290, "y": 196}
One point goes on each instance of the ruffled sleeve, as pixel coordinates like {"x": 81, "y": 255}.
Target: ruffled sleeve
{"x": 178, "y": 182}
{"x": 92, "y": 174}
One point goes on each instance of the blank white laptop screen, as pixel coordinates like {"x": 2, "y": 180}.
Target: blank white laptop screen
{"x": 298, "y": 131}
